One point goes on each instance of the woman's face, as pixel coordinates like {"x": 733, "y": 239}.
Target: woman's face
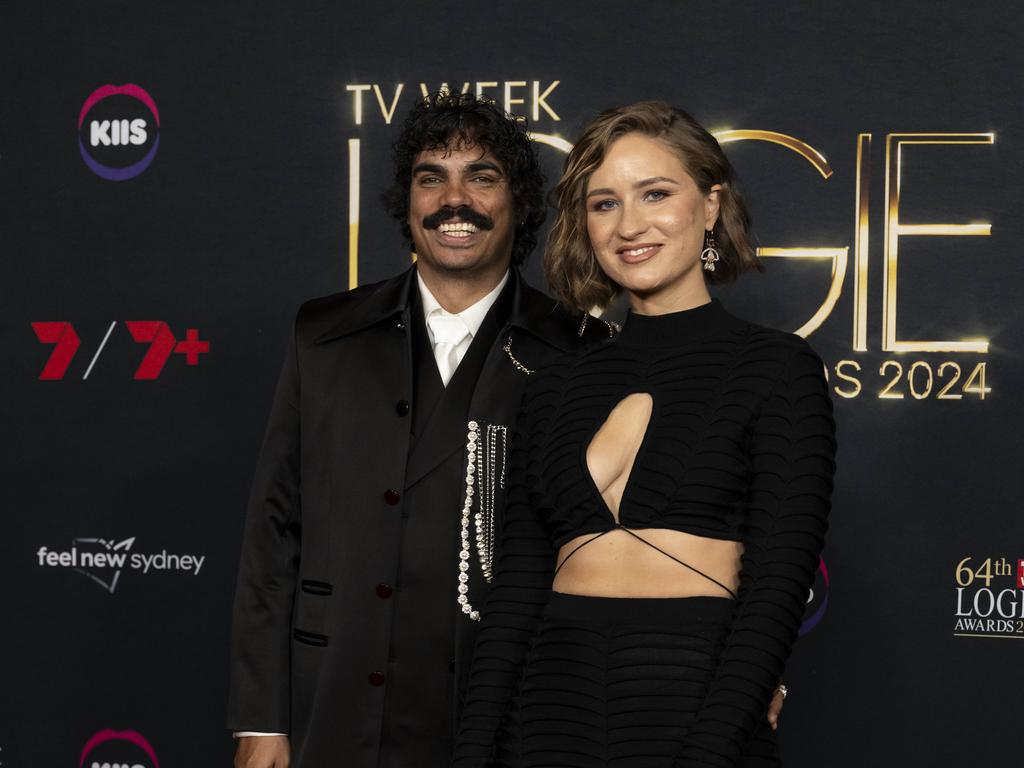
{"x": 646, "y": 219}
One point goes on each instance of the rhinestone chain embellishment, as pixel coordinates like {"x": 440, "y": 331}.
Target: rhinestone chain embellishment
{"x": 613, "y": 328}
{"x": 471, "y": 448}
{"x": 484, "y": 518}
{"x": 508, "y": 351}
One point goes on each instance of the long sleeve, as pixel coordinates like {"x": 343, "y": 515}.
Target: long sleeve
{"x": 260, "y": 657}
{"x": 793, "y": 462}
{"x": 519, "y": 590}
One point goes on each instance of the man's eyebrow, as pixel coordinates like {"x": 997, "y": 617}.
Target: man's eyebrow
{"x": 637, "y": 185}
{"x": 429, "y": 168}
{"x": 483, "y": 165}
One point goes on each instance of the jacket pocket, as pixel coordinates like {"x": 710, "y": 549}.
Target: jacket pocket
{"x": 320, "y": 588}
{"x": 312, "y": 603}
{"x": 310, "y": 638}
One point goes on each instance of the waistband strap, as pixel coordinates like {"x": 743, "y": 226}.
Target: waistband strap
{"x": 620, "y": 527}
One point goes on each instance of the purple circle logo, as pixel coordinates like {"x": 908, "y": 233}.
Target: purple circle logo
{"x": 118, "y": 131}
{"x": 125, "y": 748}
{"x": 817, "y": 600}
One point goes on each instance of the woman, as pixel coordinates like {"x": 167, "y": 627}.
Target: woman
{"x": 668, "y": 489}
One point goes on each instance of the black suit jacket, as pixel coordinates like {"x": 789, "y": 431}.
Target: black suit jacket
{"x": 313, "y": 618}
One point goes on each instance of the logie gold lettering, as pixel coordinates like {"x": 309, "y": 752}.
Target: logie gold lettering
{"x": 841, "y": 373}
{"x": 895, "y": 229}
{"x": 860, "y": 243}
{"x": 426, "y": 91}
{"x": 353, "y": 213}
{"x": 836, "y": 256}
{"x": 505, "y": 90}
{"x": 539, "y": 100}
{"x": 388, "y": 113}
{"x": 357, "y": 90}
{"x": 509, "y": 101}
{"x": 484, "y": 84}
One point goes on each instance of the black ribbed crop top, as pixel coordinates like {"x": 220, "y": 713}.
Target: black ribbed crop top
{"x": 740, "y": 446}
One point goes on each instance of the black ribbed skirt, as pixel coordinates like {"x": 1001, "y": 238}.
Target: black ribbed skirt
{"x": 616, "y": 682}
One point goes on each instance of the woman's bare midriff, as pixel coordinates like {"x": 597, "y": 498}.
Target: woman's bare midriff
{"x": 618, "y": 565}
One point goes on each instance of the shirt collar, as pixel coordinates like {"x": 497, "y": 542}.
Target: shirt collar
{"x": 472, "y": 316}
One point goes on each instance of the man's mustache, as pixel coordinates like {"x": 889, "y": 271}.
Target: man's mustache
{"x": 463, "y": 212}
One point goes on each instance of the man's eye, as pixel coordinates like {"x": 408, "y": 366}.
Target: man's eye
{"x": 484, "y": 179}
{"x": 429, "y": 181}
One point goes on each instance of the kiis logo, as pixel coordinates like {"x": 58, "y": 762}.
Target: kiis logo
{"x": 118, "y": 749}
{"x": 118, "y": 131}
{"x": 817, "y": 600}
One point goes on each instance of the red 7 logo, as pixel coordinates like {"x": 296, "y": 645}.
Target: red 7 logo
{"x": 66, "y": 340}
{"x": 162, "y": 343}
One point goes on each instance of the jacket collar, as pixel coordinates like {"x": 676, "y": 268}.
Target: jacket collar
{"x": 379, "y": 302}
{"x": 532, "y": 311}
{"x": 541, "y": 316}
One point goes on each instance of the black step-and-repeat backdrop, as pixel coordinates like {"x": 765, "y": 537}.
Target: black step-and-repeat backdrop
{"x": 176, "y": 178}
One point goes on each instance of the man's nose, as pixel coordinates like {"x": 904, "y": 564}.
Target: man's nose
{"x": 455, "y": 194}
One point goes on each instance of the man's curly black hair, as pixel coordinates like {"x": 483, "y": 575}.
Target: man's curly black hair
{"x": 444, "y": 120}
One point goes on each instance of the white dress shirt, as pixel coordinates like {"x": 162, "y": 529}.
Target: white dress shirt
{"x": 473, "y": 317}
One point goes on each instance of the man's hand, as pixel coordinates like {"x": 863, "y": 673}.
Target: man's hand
{"x": 775, "y": 707}
{"x": 263, "y": 752}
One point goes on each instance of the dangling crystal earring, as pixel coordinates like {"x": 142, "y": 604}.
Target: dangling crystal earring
{"x": 710, "y": 254}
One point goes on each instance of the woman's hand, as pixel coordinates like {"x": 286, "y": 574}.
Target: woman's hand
{"x": 775, "y": 706}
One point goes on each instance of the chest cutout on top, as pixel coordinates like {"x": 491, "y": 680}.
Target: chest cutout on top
{"x": 614, "y": 448}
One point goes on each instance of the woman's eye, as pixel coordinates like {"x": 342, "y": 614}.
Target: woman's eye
{"x": 655, "y": 195}
{"x": 604, "y": 205}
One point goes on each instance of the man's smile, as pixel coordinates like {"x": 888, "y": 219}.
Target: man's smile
{"x": 458, "y": 234}
{"x": 458, "y": 229}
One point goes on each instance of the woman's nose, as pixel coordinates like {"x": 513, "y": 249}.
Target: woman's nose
{"x": 631, "y": 223}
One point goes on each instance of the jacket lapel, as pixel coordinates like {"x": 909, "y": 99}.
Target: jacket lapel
{"x": 428, "y": 389}
{"x": 445, "y": 430}
{"x": 378, "y": 303}
{"x": 537, "y": 330}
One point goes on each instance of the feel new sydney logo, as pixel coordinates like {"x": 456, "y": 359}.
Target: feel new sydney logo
{"x": 103, "y": 561}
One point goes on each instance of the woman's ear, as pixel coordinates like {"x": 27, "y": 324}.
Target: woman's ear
{"x": 711, "y": 205}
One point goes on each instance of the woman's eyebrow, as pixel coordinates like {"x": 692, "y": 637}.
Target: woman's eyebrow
{"x": 637, "y": 185}
{"x": 654, "y": 180}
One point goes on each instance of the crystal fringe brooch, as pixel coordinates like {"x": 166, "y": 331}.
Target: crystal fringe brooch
{"x": 483, "y": 455}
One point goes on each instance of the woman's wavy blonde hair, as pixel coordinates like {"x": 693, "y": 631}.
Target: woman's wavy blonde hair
{"x": 572, "y": 271}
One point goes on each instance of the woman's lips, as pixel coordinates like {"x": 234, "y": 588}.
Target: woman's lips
{"x": 634, "y": 254}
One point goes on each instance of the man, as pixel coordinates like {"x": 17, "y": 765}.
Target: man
{"x": 352, "y": 631}
{"x": 370, "y": 529}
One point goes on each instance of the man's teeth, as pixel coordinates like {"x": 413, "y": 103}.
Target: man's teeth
{"x": 461, "y": 229}
{"x": 637, "y": 251}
